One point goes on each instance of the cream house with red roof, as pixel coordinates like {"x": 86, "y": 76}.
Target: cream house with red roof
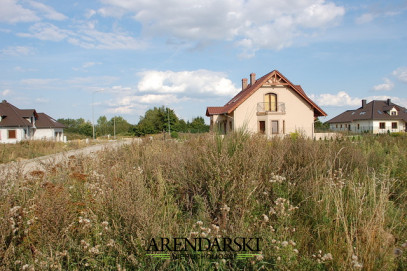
{"x": 270, "y": 105}
{"x": 23, "y": 124}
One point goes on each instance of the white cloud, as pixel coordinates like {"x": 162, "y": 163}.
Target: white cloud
{"x": 46, "y": 31}
{"x": 387, "y": 85}
{"x": 365, "y": 18}
{"x": 38, "y": 81}
{"x": 48, "y": 11}
{"x": 85, "y": 36}
{"x": 17, "y": 51}
{"x": 401, "y": 74}
{"x": 252, "y": 24}
{"x": 12, "y": 12}
{"x": 191, "y": 82}
{"x": 5, "y": 92}
{"x": 41, "y": 100}
{"x": 340, "y": 99}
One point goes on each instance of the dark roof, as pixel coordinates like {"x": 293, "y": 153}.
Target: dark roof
{"x": 11, "y": 116}
{"x": 45, "y": 121}
{"x": 250, "y": 89}
{"x": 26, "y": 113}
{"x": 375, "y": 110}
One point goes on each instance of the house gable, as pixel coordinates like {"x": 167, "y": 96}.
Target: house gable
{"x": 274, "y": 78}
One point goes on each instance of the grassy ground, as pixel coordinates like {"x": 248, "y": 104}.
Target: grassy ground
{"x": 327, "y": 205}
{"x": 35, "y": 148}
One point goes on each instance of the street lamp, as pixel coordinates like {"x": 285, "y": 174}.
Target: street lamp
{"x": 93, "y": 112}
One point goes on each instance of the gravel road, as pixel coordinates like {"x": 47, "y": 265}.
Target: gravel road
{"x": 29, "y": 165}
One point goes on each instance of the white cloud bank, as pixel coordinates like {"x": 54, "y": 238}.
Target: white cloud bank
{"x": 386, "y": 86}
{"x": 251, "y": 24}
{"x": 401, "y": 74}
{"x": 169, "y": 87}
{"x": 340, "y": 99}
{"x": 343, "y": 99}
{"x": 199, "y": 81}
{"x": 13, "y": 11}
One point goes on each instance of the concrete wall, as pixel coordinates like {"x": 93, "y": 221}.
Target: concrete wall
{"x": 49, "y": 134}
{"x": 298, "y": 117}
{"x": 20, "y": 134}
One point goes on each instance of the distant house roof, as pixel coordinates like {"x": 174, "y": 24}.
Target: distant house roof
{"x": 11, "y": 116}
{"x": 375, "y": 110}
{"x": 250, "y": 89}
{"x": 45, "y": 121}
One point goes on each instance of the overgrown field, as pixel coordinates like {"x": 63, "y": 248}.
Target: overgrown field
{"x": 327, "y": 205}
{"x": 35, "y": 148}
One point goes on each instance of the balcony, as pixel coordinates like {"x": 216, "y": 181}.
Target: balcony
{"x": 270, "y": 108}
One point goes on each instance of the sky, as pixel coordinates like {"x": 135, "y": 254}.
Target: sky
{"x": 73, "y": 59}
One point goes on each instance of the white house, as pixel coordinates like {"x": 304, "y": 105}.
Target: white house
{"x": 22, "y": 124}
{"x": 376, "y": 117}
{"x": 270, "y": 105}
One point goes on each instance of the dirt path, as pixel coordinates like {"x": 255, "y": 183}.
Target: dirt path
{"x": 26, "y": 166}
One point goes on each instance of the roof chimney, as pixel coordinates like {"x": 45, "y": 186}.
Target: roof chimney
{"x": 363, "y": 103}
{"x": 252, "y": 78}
{"x": 388, "y": 101}
{"x": 244, "y": 83}
{"x": 4, "y": 101}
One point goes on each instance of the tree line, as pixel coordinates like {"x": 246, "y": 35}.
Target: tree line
{"x": 156, "y": 120}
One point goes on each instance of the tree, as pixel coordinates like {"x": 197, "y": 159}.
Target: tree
{"x": 102, "y": 127}
{"x": 157, "y": 120}
{"x": 122, "y": 126}
{"x": 198, "y": 125}
{"x": 319, "y": 126}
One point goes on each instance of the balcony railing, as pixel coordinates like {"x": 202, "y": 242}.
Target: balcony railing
{"x": 271, "y": 108}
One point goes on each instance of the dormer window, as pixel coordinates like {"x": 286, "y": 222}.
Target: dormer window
{"x": 393, "y": 113}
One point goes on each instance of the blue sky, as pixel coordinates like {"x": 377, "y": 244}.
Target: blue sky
{"x": 131, "y": 55}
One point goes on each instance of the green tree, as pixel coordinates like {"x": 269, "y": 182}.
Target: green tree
{"x": 157, "y": 120}
{"x": 102, "y": 128}
{"x": 122, "y": 126}
{"x": 320, "y": 126}
{"x": 198, "y": 125}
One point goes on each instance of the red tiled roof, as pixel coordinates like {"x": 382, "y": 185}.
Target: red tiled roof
{"x": 249, "y": 90}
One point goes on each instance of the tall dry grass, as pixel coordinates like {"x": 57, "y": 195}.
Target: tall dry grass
{"x": 29, "y": 149}
{"x": 317, "y": 205}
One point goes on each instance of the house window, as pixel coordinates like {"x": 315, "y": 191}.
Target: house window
{"x": 358, "y": 126}
{"x": 394, "y": 125}
{"x": 262, "y": 126}
{"x": 274, "y": 126}
{"x": 12, "y": 134}
{"x": 341, "y": 125}
{"x": 270, "y": 102}
{"x": 336, "y": 125}
{"x": 230, "y": 125}
{"x": 394, "y": 113}
{"x": 382, "y": 125}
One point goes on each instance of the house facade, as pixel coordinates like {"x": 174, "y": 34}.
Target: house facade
{"x": 24, "y": 124}
{"x": 270, "y": 105}
{"x": 376, "y": 117}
